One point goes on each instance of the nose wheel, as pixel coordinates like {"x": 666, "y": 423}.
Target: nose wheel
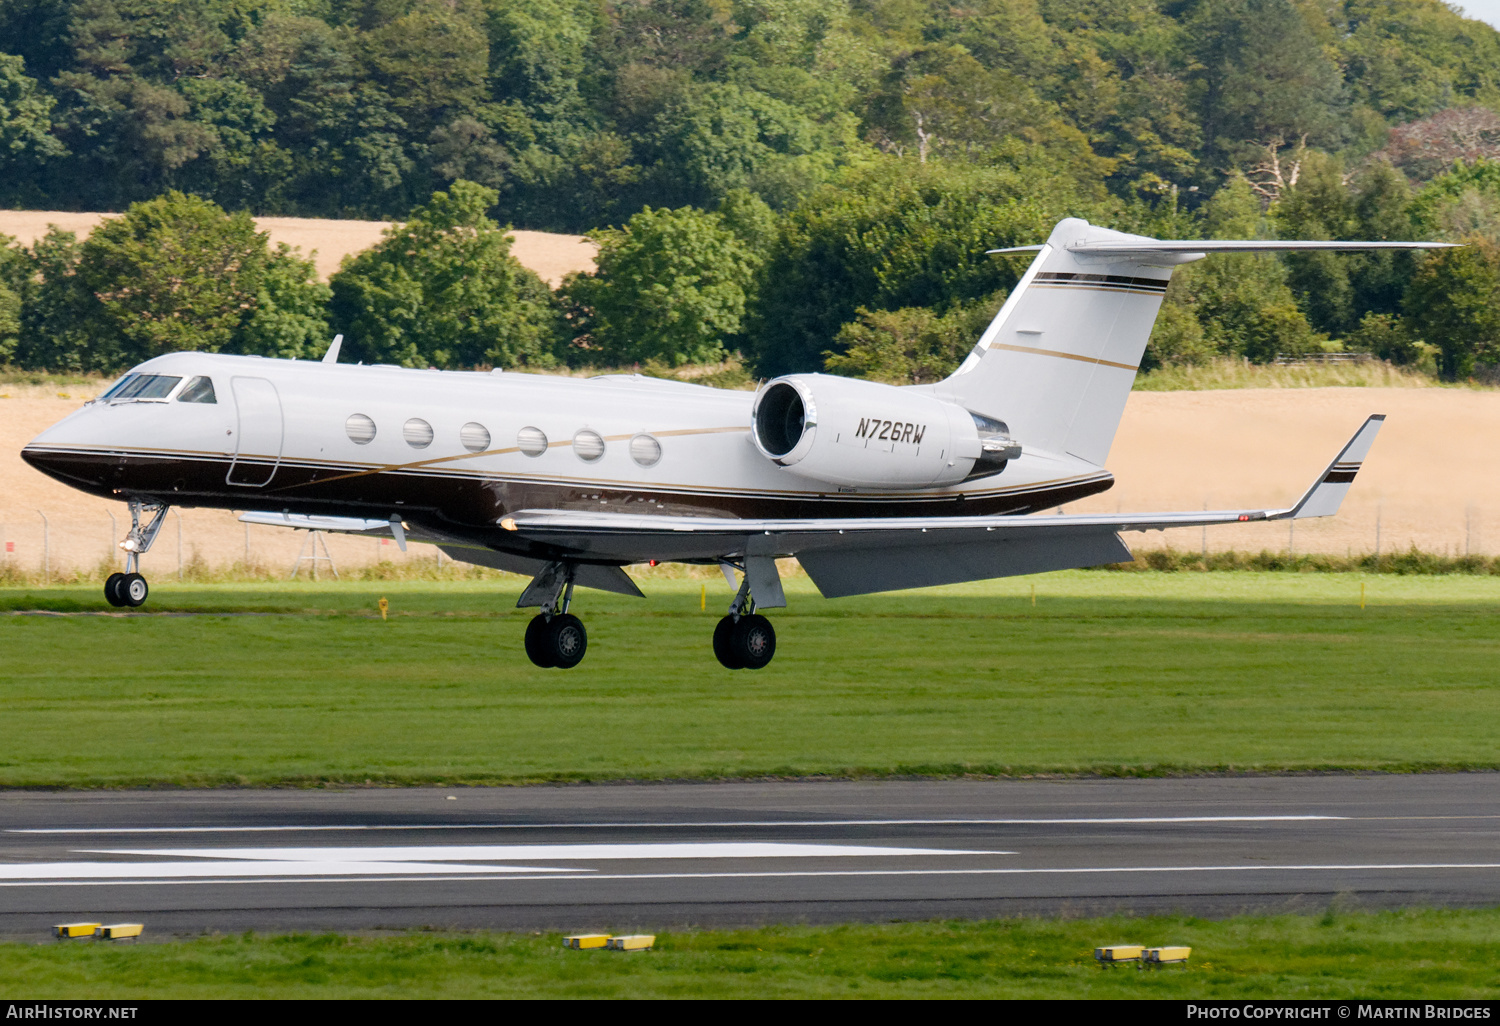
{"x": 126, "y": 590}
{"x": 130, "y": 588}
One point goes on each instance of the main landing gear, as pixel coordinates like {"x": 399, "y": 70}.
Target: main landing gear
{"x": 744, "y": 640}
{"x": 554, "y": 637}
{"x": 130, "y": 588}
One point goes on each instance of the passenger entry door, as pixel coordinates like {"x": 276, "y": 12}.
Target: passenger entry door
{"x": 258, "y": 432}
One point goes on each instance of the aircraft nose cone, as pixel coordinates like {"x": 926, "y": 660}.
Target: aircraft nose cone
{"x": 81, "y": 470}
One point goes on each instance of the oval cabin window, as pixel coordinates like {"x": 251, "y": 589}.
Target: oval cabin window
{"x": 361, "y": 429}
{"x": 475, "y": 437}
{"x": 417, "y": 432}
{"x": 588, "y": 445}
{"x": 532, "y": 441}
{"x": 645, "y": 450}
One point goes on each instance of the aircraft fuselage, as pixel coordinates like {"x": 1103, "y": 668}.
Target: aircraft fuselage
{"x": 456, "y": 452}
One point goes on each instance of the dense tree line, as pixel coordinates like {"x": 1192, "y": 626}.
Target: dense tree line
{"x": 809, "y": 182}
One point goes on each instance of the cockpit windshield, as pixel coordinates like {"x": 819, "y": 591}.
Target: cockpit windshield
{"x": 136, "y": 387}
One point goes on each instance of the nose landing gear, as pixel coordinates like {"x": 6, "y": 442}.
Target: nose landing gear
{"x": 743, "y": 639}
{"x": 554, "y": 637}
{"x": 130, "y": 588}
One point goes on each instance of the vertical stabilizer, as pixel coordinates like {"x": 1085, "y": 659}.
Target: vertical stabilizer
{"x": 1057, "y": 363}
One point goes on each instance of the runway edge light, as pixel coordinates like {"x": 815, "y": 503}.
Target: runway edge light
{"x": 69, "y": 931}
{"x": 119, "y": 931}
{"x": 1118, "y": 953}
{"x": 1167, "y": 956}
{"x": 634, "y": 942}
{"x": 583, "y": 941}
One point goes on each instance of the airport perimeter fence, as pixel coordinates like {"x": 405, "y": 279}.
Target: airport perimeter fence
{"x": 207, "y": 545}
{"x": 201, "y": 545}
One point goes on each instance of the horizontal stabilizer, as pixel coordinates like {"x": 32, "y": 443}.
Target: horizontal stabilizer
{"x": 1146, "y": 247}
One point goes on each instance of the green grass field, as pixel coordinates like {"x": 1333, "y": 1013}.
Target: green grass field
{"x": 1425, "y": 954}
{"x": 1106, "y": 673}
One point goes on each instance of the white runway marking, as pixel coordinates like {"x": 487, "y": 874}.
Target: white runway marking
{"x": 220, "y": 868}
{"x": 550, "y": 852}
{"x": 208, "y": 864}
{"x": 1082, "y": 821}
{"x": 575, "y": 875}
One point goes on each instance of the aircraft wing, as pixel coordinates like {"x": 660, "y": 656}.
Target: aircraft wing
{"x": 858, "y": 555}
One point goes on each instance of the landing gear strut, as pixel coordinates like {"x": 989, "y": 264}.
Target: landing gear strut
{"x": 130, "y": 588}
{"x": 743, "y": 639}
{"x": 554, "y": 637}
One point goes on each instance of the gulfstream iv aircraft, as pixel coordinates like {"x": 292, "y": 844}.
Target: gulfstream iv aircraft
{"x": 872, "y": 487}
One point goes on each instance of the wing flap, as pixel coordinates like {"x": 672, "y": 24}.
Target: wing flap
{"x": 842, "y": 572}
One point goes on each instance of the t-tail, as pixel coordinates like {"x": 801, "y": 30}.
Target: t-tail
{"x": 1058, "y": 361}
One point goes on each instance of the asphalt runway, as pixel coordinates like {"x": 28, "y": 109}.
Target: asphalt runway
{"x": 654, "y": 856}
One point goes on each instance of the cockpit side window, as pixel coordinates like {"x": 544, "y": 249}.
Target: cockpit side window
{"x": 198, "y": 390}
{"x": 143, "y": 386}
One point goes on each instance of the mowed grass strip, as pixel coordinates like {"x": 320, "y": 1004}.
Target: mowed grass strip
{"x": 1411, "y": 954}
{"x": 1106, "y": 673}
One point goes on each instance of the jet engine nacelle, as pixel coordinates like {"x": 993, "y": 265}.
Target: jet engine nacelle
{"x": 863, "y": 434}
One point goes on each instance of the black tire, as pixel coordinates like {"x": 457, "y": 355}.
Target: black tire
{"x": 112, "y": 593}
{"x": 753, "y": 641}
{"x": 539, "y": 642}
{"x": 134, "y": 589}
{"x": 723, "y": 646}
{"x": 569, "y": 641}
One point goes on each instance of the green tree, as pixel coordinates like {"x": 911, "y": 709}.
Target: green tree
{"x": 14, "y": 270}
{"x": 897, "y": 234}
{"x": 59, "y": 314}
{"x": 175, "y": 273}
{"x": 443, "y": 290}
{"x": 290, "y": 316}
{"x": 717, "y": 137}
{"x": 670, "y": 286}
{"x": 433, "y": 60}
{"x": 1263, "y": 73}
{"x": 941, "y": 100}
{"x": 129, "y": 126}
{"x": 26, "y": 140}
{"x": 1454, "y": 304}
{"x": 1242, "y": 302}
{"x": 1338, "y": 290}
{"x": 911, "y": 346}
{"x": 1465, "y": 201}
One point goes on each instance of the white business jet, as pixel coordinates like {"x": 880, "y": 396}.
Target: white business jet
{"x": 871, "y": 487}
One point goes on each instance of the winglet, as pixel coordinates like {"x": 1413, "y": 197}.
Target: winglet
{"x": 1327, "y": 492}
{"x": 398, "y": 531}
{"x": 332, "y": 353}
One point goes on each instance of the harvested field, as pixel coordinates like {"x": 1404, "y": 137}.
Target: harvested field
{"x": 328, "y": 242}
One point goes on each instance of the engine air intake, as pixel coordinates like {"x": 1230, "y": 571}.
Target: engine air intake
{"x": 780, "y": 419}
